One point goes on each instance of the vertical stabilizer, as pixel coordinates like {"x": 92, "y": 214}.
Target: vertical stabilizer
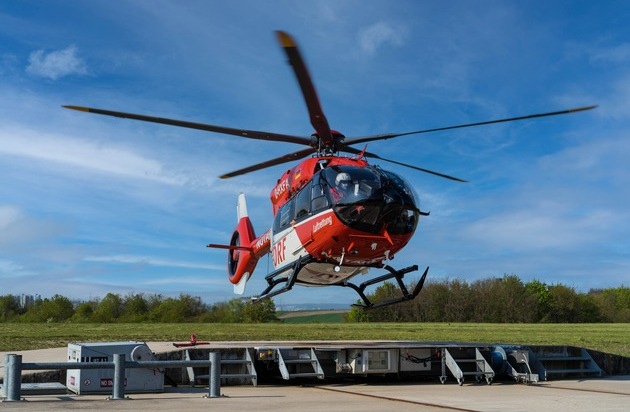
{"x": 239, "y": 288}
{"x": 241, "y": 207}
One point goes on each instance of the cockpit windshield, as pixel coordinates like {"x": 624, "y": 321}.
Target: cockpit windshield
{"x": 349, "y": 184}
{"x": 370, "y": 198}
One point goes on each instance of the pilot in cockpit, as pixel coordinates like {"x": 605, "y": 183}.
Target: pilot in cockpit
{"x": 343, "y": 187}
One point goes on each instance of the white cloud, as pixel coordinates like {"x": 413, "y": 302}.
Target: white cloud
{"x": 56, "y": 64}
{"x": 614, "y": 54}
{"x": 18, "y": 229}
{"x": 541, "y": 229}
{"x": 8, "y": 216}
{"x": 151, "y": 261}
{"x": 11, "y": 269}
{"x": 181, "y": 281}
{"x": 83, "y": 154}
{"x": 379, "y": 34}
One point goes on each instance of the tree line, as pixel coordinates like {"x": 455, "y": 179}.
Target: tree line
{"x": 493, "y": 300}
{"x": 500, "y": 300}
{"x": 135, "y": 307}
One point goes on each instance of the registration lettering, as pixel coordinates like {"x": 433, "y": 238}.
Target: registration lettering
{"x": 281, "y": 188}
{"x": 263, "y": 241}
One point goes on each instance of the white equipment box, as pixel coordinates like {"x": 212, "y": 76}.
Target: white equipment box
{"x": 102, "y": 380}
{"x": 373, "y": 361}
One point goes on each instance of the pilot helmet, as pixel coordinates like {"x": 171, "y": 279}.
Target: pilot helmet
{"x": 343, "y": 180}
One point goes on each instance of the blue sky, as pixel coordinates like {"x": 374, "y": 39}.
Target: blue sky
{"x": 91, "y": 204}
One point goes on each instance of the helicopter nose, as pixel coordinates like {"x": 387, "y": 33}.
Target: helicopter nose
{"x": 392, "y": 197}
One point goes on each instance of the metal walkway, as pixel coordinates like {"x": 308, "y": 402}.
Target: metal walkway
{"x": 254, "y": 363}
{"x": 442, "y": 361}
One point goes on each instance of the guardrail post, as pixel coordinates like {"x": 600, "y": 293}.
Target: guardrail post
{"x": 12, "y": 377}
{"x": 215, "y": 375}
{"x": 119, "y": 377}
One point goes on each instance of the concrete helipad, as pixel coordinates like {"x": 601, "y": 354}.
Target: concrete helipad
{"x": 597, "y": 394}
{"x": 575, "y": 395}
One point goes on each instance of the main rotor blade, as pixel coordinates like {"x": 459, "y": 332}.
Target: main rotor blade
{"x": 279, "y": 160}
{"x": 374, "y": 156}
{"x": 357, "y": 140}
{"x": 318, "y": 119}
{"x": 250, "y": 134}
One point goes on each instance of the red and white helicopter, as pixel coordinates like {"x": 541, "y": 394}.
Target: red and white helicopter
{"x": 335, "y": 217}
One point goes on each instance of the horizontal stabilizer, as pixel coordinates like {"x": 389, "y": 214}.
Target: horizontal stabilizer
{"x": 231, "y": 247}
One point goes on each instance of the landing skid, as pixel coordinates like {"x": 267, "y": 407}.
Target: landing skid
{"x": 393, "y": 274}
{"x": 288, "y": 283}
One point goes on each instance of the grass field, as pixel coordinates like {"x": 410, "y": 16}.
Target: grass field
{"x": 610, "y": 338}
{"x": 320, "y": 316}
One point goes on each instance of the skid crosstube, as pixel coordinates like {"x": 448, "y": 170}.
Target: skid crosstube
{"x": 399, "y": 275}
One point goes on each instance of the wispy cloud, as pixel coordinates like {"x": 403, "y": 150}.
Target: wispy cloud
{"x": 17, "y": 229}
{"x": 8, "y": 215}
{"x": 84, "y": 154}
{"x": 186, "y": 280}
{"x": 541, "y": 229}
{"x": 56, "y": 64}
{"x": 378, "y": 35}
{"x": 10, "y": 269}
{"x": 619, "y": 53}
{"x": 151, "y": 261}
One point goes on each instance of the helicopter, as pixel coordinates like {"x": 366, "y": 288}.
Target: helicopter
{"x": 335, "y": 217}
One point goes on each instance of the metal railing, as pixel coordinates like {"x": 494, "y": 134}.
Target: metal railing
{"x": 13, "y": 367}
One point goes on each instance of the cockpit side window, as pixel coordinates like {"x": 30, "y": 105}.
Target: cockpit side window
{"x": 303, "y": 202}
{"x": 318, "y": 198}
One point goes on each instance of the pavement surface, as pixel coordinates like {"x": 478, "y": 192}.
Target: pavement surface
{"x": 612, "y": 394}
{"x": 597, "y": 394}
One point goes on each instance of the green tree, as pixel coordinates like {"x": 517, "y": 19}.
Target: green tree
{"x": 109, "y": 309}
{"x": 226, "y": 312}
{"x": 262, "y": 311}
{"x": 186, "y": 308}
{"x": 588, "y": 309}
{"x": 9, "y": 307}
{"x": 84, "y": 311}
{"x": 56, "y": 309}
{"x": 564, "y": 304}
{"x": 434, "y": 299}
{"x": 167, "y": 311}
{"x": 539, "y": 292}
{"x": 459, "y": 305}
{"x": 357, "y": 314}
{"x": 135, "y": 308}
{"x": 614, "y": 303}
{"x": 383, "y": 293}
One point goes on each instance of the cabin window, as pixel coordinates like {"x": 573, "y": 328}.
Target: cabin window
{"x": 284, "y": 216}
